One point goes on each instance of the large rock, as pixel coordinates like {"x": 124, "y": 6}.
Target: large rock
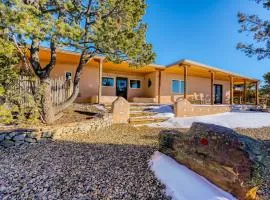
{"x": 232, "y": 161}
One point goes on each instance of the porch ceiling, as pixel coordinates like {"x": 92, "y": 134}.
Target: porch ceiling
{"x": 124, "y": 67}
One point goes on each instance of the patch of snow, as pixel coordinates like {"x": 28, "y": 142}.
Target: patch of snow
{"x": 163, "y": 111}
{"x": 100, "y": 107}
{"x": 244, "y": 119}
{"x": 182, "y": 183}
{"x": 169, "y": 115}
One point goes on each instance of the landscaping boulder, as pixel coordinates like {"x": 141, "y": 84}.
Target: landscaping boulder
{"x": 234, "y": 162}
{"x": 121, "y": 111}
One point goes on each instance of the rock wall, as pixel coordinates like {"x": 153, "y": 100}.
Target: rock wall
{"x": 85, "y": 126}
{"x": 234, "y": 162}
{"x": 14, "y": 137}
{"x": 17, "y": 137}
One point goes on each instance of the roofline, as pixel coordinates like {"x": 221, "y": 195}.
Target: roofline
{"x": 96, "y": 57}
{"x": 209, "y": 67}
{"x": 165, "y": 66}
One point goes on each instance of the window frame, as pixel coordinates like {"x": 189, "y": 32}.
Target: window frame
{"x": 180, "y": 80}
{"x": 135, "y": 80}
{"x": 106, "y": 85}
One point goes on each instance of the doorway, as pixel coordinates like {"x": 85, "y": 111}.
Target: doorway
{"x": 218, "y": 94}
{"x": 121, "y": 87}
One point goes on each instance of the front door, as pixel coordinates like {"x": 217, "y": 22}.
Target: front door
{"x": 218, "y": 94}
{"x": 121, "y": 87}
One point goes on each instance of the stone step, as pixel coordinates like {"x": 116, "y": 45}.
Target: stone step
{"x": 145, "y": 104}
{"x": 150, "y": 119}
{"x": 142, "y": 108}
{"x": 145, "y": 121}
{"x": 142, "y": 114}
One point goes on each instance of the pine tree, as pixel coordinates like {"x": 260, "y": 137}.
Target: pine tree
{"x": 111, "y": 28}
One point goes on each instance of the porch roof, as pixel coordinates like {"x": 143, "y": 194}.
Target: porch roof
{"x": 199, "y": 69}
{"x": 195, "y": 69}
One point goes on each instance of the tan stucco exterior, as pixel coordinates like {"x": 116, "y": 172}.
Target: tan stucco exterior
{"x": 198, "y": 80}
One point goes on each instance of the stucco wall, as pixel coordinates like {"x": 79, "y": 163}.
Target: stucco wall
{"x": 88, "y": 82}
{"x": 152, "y": 91}
{"x": 194, "y": 85}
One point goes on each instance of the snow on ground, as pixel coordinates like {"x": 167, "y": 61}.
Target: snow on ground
{"x": 100, "y": 107}
{"x": 182, "y": 183}
{"x": 163, "y": 111}
{"x": 230, "y": 119}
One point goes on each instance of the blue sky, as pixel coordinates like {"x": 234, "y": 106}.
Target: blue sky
{"x": 205, "y": 31}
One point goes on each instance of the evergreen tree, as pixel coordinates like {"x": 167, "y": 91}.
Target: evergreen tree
{"x": 111, "y": 28}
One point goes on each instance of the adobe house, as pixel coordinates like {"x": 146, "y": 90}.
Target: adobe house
{"x": 102, "y": 81}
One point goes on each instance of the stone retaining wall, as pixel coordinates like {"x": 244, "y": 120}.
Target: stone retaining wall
{"x": 14, "y": 137}
{"x": 183, "y": 108}
{"x": 85, "y": 126}
{"x": 17, "y": 137}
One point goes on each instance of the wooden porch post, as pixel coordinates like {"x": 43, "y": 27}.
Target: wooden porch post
{"x": 185, "y": 80}
{"x": 212, "y": 87}
{"x": 100, "y": 80}
{"x": 231, "y": 90}
{"x": 257, "y": 93}
{"x": 159, "y": 86}
{"x": 245, "y": 92}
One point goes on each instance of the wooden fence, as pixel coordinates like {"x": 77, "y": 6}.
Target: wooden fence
{"x": 61, "y": 89}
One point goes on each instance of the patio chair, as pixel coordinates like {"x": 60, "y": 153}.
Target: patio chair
{"x": 207, "y": 99}
{"x": 202, "y": 98}
{"x": 196, "y": 99}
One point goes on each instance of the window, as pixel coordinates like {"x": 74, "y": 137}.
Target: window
{"x": 135, "y": 84}
{"x": 68, "y": 76}
{"x": 107, "y": 82}
{"x": 178, "y": 86}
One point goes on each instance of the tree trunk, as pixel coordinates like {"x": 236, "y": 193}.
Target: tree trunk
{"x": 69, "y": 101}
{"x": 47, "y": 109}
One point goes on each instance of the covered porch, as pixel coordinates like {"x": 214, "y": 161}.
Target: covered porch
{"x": 206, "y": 85}
{"x": 138, "y": 85}
{"x": 198, "y": 83}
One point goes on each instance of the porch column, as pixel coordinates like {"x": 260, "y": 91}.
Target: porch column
{"x": 231, "y": 90}
{"x": 212, "y": 87}
{"x": 245, "y": 92}
{"x": 100, "y": 80}
{"x": 257, "y": 93}
{"x": 185, "y": 80}
{"x": 159, "y": 86}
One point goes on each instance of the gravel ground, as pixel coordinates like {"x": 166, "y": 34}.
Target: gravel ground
{"x": 110, "y": 164}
